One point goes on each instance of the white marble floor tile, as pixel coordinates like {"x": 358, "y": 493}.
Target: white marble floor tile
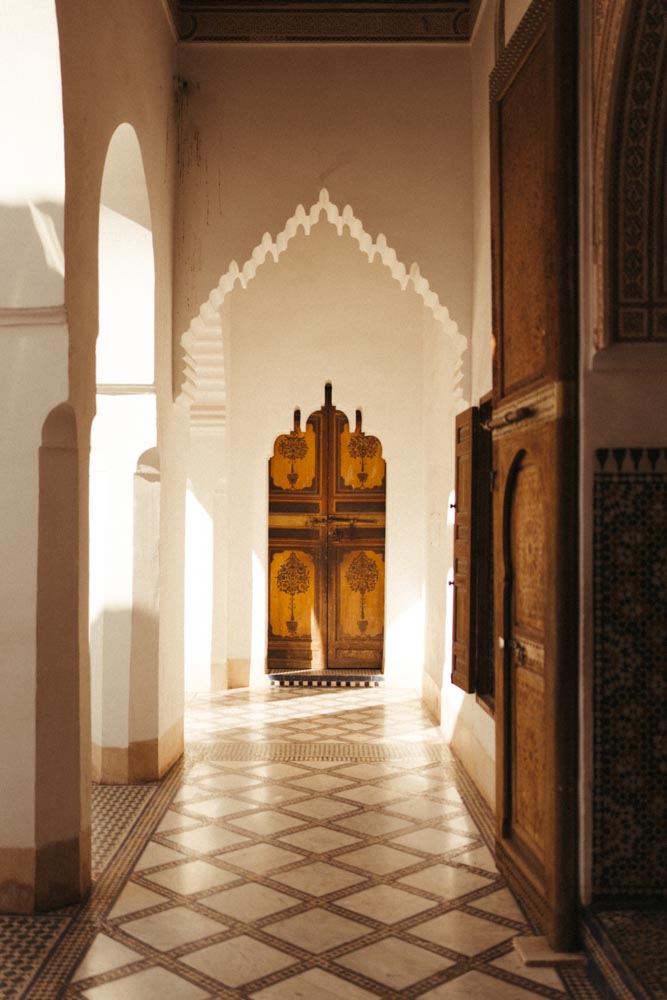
{"x": 266, "y": 822}
{"x": 208, "y": 839}
{"x": 420, "y": 808}
{"x": 445, "y": 881}
{"x": 319, "y": 840}
{"x": 321, "y": 808}
{"x": 157, "y": 854}
{"x": 368, "y": 795}
{"x": 386, "y": 903}
{"x": 319, "y": 878}
{"x": 228, "y": 782}
{"x": 104, "y": 955}
{"x": 316, "y": 984}
{"x": 175, "y": 821}
{"x": 320, "y": 782}
{"x": 378, "y": 859}
{"x": 477, "y": 986}
{"x": 172, "y": 928}
{"x": 373, "y": 824}
{"x": 275, "y": 794}
{"x": 395, "y": 963}
{"x": 192, "y": 876}
{"x": 431, "y": 841}
{"x": 478, "y": 857}
{"x": 238, "y": 961}
{"x": 218, "y": 808}
{"x": 151, "y": 984}
{"x": 260, "y": 858}
{"x": 317, "y": 930}
{"x": 462, "y": 932}
{"x": 250, "y": 901}
{"x": 366, "y": 772}
{"x": 278, "y": 771}
{"x": 134, "y": 897}
{"x": 501, "y": 903}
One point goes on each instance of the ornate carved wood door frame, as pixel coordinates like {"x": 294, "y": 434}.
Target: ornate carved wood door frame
{"x": 327, "y": 490}
{"x": 534, "y": 204}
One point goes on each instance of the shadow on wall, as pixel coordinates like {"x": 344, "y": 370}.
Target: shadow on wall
{"x": 125, "y": 708}
{"x": 35, "y": 271}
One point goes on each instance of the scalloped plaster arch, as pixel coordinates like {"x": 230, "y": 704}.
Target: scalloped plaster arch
{"x": 204, "y": 388}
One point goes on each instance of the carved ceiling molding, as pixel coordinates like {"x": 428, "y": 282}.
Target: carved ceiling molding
{"x": 638, "y": 179}
{"x": 204, "y": 390}
{"x": 325, "y": 21}
{"x": 608, "y": 16}
{"x": 629, "y": 109}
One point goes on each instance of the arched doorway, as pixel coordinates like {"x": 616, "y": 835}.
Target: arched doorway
{"x": 327, "y": 502}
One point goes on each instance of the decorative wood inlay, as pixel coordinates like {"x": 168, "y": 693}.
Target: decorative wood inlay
{"x": 639, "y": 180}
{"x": 292, "y": 585}
{"x": 528, "y": 549}
{"x": 523, "y": 214}
{"x": 326, "y": 545}
{"x": 529, "y": 772}
{"x": 314, "y": 21}
{"x": 548, "y": 402}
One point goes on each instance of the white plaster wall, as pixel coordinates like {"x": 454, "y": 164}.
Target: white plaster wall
{"x": 114, "y": 74}
{"x": 385, "y": 129}
{"x": 324, "y": 313}
{"x": 468, "y": 727}
{"x": 35, "y": 357}
{"x": 122, "y": 430}
{"x": 33, "y": 369}
{"x": 32, "y": 171}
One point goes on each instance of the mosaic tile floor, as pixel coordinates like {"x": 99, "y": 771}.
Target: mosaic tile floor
{"x": 315, "y": 843}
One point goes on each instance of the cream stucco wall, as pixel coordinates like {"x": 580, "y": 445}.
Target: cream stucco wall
{"x": 119, "y": 70}
{"x": 467, "y": 725}
{"x": 385, "y": 129}
{"x": 33, "y": 380}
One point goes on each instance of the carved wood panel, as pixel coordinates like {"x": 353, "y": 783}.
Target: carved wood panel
{"x": 326, "y": 545}
{"x": 638, "y": 188}
{"x": 464, "y": 623}
{"x": 534, "y": 202}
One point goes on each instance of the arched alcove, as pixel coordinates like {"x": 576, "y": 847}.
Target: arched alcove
{"x": 124, "y": 428}
{"x": 322, "y": 302}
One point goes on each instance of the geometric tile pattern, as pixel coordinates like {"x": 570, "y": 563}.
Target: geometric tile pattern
{"x": 26, "y": 942}
{"x": 629, "y": 949}
{"x": 332, "y": 874}
{"x": 630, "y": 676}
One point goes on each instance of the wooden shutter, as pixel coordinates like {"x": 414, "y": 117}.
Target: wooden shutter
{"x": 464, "y": 629}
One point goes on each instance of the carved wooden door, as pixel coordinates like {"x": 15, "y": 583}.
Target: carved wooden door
{"x": 533, "y": 116}
{"x": 326, "y": 545}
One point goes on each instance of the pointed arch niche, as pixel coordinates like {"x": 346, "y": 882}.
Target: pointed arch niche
{"x": 322, "y": 302}
{"x": 124, "y": 480}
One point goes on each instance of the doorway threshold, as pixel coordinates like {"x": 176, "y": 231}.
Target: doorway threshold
{"x": 362, "y": 677}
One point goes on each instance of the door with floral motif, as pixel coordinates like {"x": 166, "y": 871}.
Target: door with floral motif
{"x": 327, "y": 487}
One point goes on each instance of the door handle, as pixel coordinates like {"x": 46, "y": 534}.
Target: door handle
{"x": 511, "y": 417}
{"x": 518, "y": 649}
{"x": 340, "y": 520}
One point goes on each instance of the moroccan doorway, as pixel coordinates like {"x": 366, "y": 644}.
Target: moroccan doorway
{"x": 327, "y": 498}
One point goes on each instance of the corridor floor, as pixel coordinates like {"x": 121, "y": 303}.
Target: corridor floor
{"x": 315, "y": 843}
